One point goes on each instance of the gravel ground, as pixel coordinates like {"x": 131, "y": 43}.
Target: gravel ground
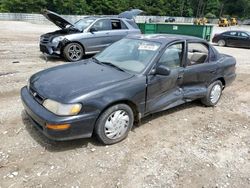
{"x": 187, "y": 146}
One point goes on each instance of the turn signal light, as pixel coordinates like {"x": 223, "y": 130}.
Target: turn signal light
{"x": 58, "y": 127}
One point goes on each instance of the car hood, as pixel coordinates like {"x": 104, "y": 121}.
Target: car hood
{"x": 57, "y": 19}
{"x": 62, "y": 82}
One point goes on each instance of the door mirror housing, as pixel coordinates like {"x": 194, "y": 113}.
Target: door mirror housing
{"x": 162, "y": 70}
{"x": 92, "y": 30}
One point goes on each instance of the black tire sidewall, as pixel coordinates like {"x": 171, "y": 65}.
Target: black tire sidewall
{"x": 66, "y": 54}
{"x": 100, "y": 124}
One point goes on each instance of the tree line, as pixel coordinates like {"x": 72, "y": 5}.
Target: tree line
{"x": 185, "y": 8}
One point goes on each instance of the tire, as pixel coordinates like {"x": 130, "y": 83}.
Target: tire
{"x": 109, "y": 133}
{"x": 73, "y": 52}
{"x": 213, "y": 95}
{"x": 222, "y": 42}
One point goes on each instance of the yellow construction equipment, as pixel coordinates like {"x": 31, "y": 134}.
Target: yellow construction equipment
{"x": 233, "y": 21}
{"x": 200, "y": 21}
{"x": 223, "y": 22}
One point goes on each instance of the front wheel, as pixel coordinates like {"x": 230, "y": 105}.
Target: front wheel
{"x": 222, "y": 43}
{"x": 73, "y": 52}
{"x": 214, "y": 93}
{"x": 114, "y": 124}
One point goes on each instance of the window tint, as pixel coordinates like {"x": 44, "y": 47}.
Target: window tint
{"x": 197, "y": 53}
{"x": 102, "y": 25}
{"x": 118, "y": 24}
{"x": 172, "y": 56}
{"x": 243, "y": 34}
{"x": 233, "y": 33}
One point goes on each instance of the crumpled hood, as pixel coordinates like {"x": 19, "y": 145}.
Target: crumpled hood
{"x": 61, "y": 82}
{"x": 57, "y": 19}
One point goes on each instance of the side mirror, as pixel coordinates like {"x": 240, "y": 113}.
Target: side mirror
{"x": 162, "y": 70}
{"x": 92, "y": 30}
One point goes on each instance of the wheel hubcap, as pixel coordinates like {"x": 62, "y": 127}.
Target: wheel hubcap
{"x": 117, "y": 124}
{"x": 215, "y": 94}
{"x": 75, "y": 52}
{"x": 221, "y": 43}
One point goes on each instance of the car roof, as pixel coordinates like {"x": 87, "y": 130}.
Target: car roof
{"x": 103, "y": 17}
{"x": 236, "y": 31}
{"x": 164, "y": 38}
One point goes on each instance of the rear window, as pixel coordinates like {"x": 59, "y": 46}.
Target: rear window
{"x": 118, "y": 24}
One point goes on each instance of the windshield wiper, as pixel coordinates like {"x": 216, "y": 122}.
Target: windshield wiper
{"x": 96, "y": 60}
{"x": 107, "y": 63}
{"x": 112, "y": 65}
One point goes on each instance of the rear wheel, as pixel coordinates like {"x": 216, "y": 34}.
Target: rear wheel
{"x": 214, "y": 93}
{"x": 222, "y": 42}
{"x": 73, "y": 52}
{"x": 114, "y": 124}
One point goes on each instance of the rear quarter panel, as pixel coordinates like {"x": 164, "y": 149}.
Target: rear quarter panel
{"x": 227, "y": 68}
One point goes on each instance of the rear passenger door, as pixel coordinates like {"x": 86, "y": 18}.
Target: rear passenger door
{"x": 232, "y": 38}
{"x": 118, "y": 30}
{"x": 199, "y": 70}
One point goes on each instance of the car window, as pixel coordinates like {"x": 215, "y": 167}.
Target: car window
{"x": 233, "y": 33}
{"x": 118, "y": 24}
{"x": 172, "y": 56}
{"x": 197, "y": 53}
{"x": 241, "y": 34}
{"x": 132, "y": 55}
{"x": 102, "y": 25}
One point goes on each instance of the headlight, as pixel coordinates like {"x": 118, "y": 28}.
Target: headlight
{"x": 62, "y": 109}
{"x": 57, "y": 39}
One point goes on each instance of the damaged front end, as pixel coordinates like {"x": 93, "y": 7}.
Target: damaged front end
{"x": 52, "y": 46}
{"x": 52, "y": 43}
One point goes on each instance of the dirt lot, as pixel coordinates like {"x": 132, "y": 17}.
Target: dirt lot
{"x": 188, "y": 146}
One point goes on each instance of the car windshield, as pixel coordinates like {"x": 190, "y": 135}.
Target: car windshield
{"x": 131, "y": 55}
{"x": 84, "y": 23}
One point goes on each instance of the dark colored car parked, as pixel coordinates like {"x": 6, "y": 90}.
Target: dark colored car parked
{"x": 233, "y": 38}
{"x": 134, "y": 77}
{"x": 170, "y": 19}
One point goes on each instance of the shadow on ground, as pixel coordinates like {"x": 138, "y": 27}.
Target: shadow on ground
{"x": 58, "y": 146}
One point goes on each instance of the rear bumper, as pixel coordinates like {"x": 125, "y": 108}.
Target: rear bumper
{"x": 81, "y": 126}
{"x": 229, "y": 79}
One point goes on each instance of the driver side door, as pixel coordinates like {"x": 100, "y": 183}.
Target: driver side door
{"x": 98, "y": 37}
{"x": 163, "y": 91}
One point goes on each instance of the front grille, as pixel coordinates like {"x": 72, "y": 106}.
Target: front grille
{"x": 36, "y": 96}
{"x": 44, "y": 40}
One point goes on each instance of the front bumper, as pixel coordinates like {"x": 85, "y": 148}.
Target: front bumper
{"x": 49, "y": 48}
{"x": 82, "y": 126}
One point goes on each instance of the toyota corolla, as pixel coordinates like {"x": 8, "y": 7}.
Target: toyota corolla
{"x": 134, "y": 77}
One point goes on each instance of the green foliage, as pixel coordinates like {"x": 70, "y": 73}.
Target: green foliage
{"x": 210, "y": 15}
{"x": 187, "y": 8}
